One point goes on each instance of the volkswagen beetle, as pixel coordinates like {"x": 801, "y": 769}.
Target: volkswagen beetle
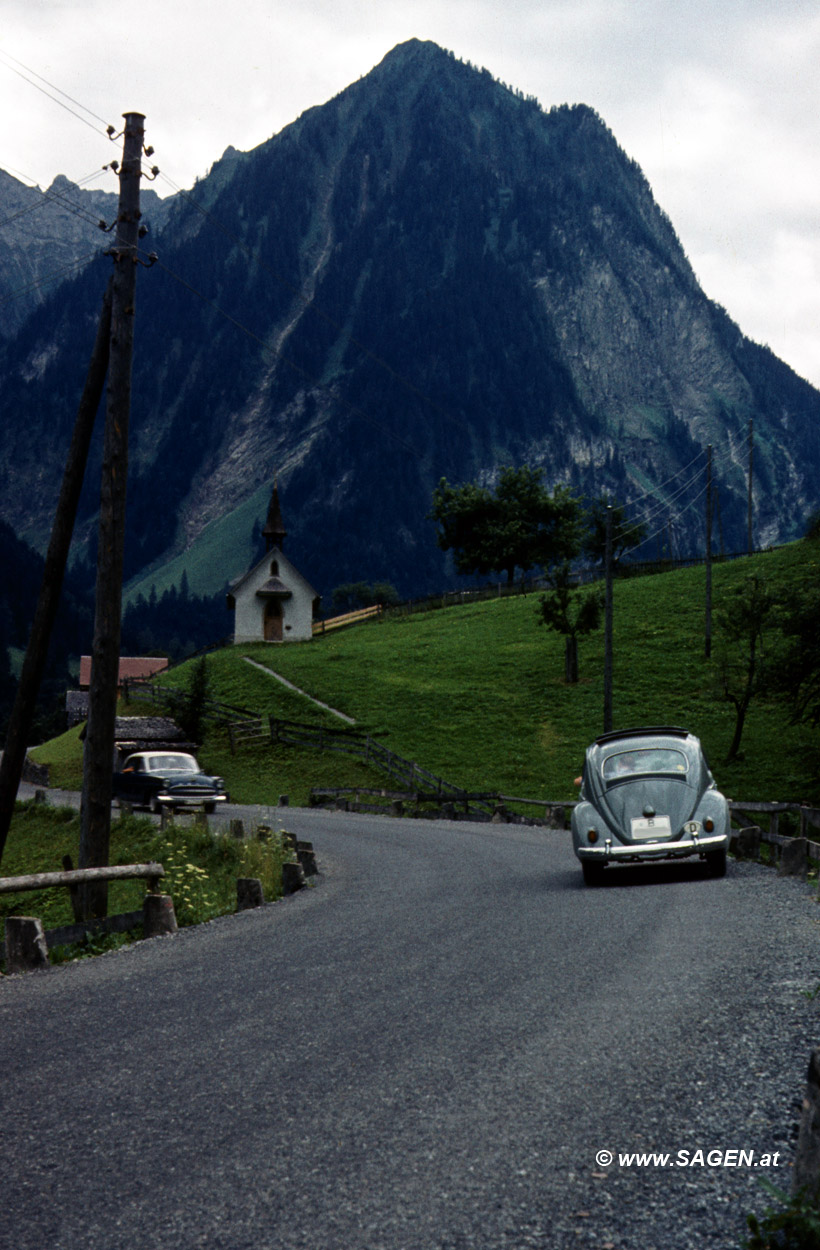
{"x": 157, "y": 779}
{"x": 646, "y": 795}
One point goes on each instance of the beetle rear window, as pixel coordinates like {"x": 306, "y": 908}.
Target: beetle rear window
{"x": 650, "y": 760}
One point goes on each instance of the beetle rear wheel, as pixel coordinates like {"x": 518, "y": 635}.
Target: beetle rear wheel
{"x": 592, "y": 872}
{"x": 716, "y": 863}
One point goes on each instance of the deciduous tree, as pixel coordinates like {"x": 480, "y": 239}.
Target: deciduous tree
{"x": 572, "y": 612}
{"x": 742, "y": 623}
{"x": 518, "y": 525}
{"x": 797, "y": 671}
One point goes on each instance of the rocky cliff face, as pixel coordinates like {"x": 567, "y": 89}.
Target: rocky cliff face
{"x": 428, "y": 276}
{"x": 48, "y": 236}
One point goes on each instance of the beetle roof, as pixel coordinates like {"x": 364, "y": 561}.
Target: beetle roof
{"x": 657, "y": 731}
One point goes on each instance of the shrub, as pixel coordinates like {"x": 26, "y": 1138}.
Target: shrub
{"x": 794, "y": 1226}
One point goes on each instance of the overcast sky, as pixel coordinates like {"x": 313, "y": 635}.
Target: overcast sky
{"x": 717, "y": 100}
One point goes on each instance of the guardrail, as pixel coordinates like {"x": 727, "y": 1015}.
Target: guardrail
{"x": 77, "y": 876}
{"x": 26, "y": 944}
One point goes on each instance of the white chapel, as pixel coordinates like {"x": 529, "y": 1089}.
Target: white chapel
{"x": 273, "y": 602}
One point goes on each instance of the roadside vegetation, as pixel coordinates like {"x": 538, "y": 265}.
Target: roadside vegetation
{"x": 201, "y": 869}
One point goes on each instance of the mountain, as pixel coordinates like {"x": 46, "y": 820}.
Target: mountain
{"x": 46, "y": 235}
{"x": 427, "y": 276}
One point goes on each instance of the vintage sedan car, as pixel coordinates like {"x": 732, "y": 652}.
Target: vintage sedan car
{"x": 647, "y": 795}
{"x": 157, "y": 779}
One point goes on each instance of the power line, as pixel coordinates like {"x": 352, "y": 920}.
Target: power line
{"x": 630, "y": 503}
{"x": 663, "y": 505}
{"x": 18, "y": 67}
{"x": 58, "y": 274}
{"x": 53, "y": 197}
{"x": 671, "y": 520}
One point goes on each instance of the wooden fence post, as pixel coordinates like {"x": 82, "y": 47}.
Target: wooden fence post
{"x": 807, "y": 1158}
{"x": 293, "y": 878}
{"x": 249, "y": 893}
{"x": 307, "y": 858}
{"x": 158, "y": 916}
{"x": 793, "y": 859}
{"x": 26, "y": 949}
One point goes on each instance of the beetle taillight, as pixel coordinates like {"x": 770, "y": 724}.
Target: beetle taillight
{"x": 709, "y": 825}
{"x": 592, "y": 835}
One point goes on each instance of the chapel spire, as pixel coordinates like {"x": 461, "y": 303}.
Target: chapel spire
{"x": 274, "y": 532}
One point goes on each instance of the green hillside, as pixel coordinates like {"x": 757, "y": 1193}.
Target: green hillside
{"x": 221, "y": 553}
{"x": 475, "y": 692}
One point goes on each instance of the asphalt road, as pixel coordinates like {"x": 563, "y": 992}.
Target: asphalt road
{"x": 425, "y": 1051}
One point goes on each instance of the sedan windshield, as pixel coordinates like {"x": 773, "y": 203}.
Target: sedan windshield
{"x": 646, "y": 761}
{"x": 172, "y": 764}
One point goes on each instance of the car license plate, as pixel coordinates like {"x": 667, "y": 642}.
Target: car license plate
{"x": 651, "y": 828}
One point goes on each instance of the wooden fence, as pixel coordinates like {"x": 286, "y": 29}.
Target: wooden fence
{"x": 147, "y": 690}
{"x": 348, "y": 618}
{"x": 407, "y": 774}
{"x": 73, "y": 877}
{"x": 29, "y": 942}
{"x": 551, "y": 813}
{"x": 808, "y": 817}
{"x": 320, "y": 737}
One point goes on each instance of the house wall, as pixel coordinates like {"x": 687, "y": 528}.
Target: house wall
{"x": 297, "y": 611}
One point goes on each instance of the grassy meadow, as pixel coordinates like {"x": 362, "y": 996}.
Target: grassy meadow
{"x": 476, "y": 693}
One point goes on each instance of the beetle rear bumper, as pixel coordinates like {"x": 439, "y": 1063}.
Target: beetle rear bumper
{"x": 623, "y": 853}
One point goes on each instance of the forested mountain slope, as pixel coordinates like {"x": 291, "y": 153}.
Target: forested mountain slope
{"x": 427, "y": 276}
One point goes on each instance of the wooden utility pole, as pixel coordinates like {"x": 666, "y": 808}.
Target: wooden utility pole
{"x": 750, "y": 543}
{"x": 22, "y": 715}
{"x": 608, "y": 625}
{"x": 98, "y": 764}
{"x": 708, "y": 639}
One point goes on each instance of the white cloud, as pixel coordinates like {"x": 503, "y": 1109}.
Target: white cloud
{"x": 717, "y": 101}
